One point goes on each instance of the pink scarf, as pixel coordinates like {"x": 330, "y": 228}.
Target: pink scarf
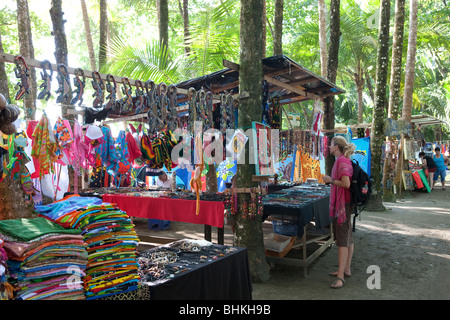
{"x": 342, "y": 167}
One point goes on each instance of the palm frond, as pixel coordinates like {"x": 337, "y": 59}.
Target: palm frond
{"x": 142, "y": 60}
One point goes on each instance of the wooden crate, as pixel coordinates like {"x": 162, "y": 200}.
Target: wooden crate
{"x": 286, "y": 249}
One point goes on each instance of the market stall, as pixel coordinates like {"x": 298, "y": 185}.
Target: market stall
{"x": 196, "y": 270}
{"x": 210, "y": 213}
{"x": 300, "y": 212}
{"x": 67, "y": 162}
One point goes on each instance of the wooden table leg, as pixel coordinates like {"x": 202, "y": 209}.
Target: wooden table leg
{"x": 220, "y": 236}
{"x": 305, "y": 255}
{"x": 207, "y": 232}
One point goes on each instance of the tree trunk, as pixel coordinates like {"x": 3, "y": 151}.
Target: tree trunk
{"x": 391, "y": 177}
{"x": 278, "y": 28}
{"x": 184, "y": 11}
{"x": 396, "y": 65}
{"x": 332, "y": 65}
{"x": 264, "y": 29}
{"x": 88, "y": 35}
{"x": 323, "y": 38}
{"x": 163, "y": 22}
{"x": 58, "y": 32}
{"x": 27, "y": 51}
{"x": 4, "y": 89}
{"x": 12, "y": 199}
{"x": 211, "y": 179}
{"x": 409, "y": 84}
{"x": 369, "y": 85}
{"x": 410, "y": 62}
{"x": 248, "y": 232}
{"x": 376, "y": 139}
{"x": 103, "y": 47}
{"x": 359, "y": 81}
{"x": 61, "y": 52}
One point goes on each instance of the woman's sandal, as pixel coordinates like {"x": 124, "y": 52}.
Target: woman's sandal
{"x": 334, "y": 274}
{"x": 334, "y": 284}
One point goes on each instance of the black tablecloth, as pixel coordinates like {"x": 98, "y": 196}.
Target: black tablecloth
{"x": 319, "y": 209}
{"x": 227, "y": 278}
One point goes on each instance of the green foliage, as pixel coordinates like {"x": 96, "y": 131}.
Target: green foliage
{"x": 214, "y": 36}
{"x": 145, "y": 60}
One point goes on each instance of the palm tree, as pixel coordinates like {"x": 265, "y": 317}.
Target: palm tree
{"x": 27, "y": 50}
{"x": 410, "y": 62}
{"x": 332, "y": 63}
{"x": 163, "y": 22}
{"x": 103, "y": 27}
{"x": 88, "y": 35}
{"x": 394, "y": 95}
{"x": 214, "y": 36}
{"x": 357, "y": 51}
{"x": 322, "y": 38}
{"x": 376, "y": 138}
{"x": 278, "y": 28}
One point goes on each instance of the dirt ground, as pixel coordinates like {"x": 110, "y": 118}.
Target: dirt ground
{"x": 409, "y": 242}
{"x": 408, "y": 246}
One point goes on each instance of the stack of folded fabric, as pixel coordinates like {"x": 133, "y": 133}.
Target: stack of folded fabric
{"x": 6, "y": 290}
{"x": 111, "y": 243}
{"x": 45, "y": 260}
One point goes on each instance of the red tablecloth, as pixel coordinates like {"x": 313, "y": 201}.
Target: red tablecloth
{"x": 210, "y": 213}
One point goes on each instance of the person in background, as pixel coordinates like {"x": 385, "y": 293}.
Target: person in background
{"x": 164, "y": 181}
{"x": 441, "y": 164}
{"x": 341, "y": 207}
{"x": 428, "y": 164}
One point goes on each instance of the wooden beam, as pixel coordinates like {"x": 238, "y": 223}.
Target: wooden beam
{"x": 87, "y": 73}
{"x": 303, "y": 81}
{"x": 318, "y": 89}
{"x": 291, "y": 88}
{"x": 232, "y": 85}
{"x": 231, "y": 65}
{"x": 293, "y": 100}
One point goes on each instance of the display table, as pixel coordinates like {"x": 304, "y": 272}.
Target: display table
{"x": 316, "y": 209}
{"x": 211, "y": 213}
{"x": 222, "y": 274}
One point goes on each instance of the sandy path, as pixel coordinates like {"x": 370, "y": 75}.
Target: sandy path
{"x": 409, "y": 243}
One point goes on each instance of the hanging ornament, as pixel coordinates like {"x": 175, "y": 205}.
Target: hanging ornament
{"x": 111, "y": 87}
{"x": 126, "y": 104}
{"x": 64, "y": 84}
{"x": 140, "y": 97}
{"x": 99, "y": 87}
{"x": 172, "y": 113}
{"x": 22, "y": 72}
{"x": 80, "y": 83}
{"x": 46, "y": 86}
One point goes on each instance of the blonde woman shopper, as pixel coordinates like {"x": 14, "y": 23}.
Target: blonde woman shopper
{"x": 341, "y": 207}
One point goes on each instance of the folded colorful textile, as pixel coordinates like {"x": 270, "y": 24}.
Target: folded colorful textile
{"x": 111, "y": 243}
{"x": 45, "y": 260}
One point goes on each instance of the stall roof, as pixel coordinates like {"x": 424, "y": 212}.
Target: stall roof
{"x": 425, "y": 120}
{"x": 284, "y": 77}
